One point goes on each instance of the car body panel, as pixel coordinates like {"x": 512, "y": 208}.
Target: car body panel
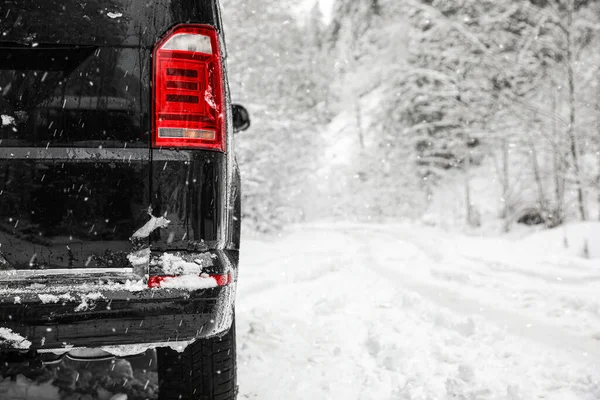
{"x": 79, "y": 176}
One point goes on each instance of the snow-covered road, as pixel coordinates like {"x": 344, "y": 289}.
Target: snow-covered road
{"x": 352, "y": 311}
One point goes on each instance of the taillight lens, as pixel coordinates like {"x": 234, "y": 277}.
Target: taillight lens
{"x": 221, "y": 280}
{"x": 188, "y": 102}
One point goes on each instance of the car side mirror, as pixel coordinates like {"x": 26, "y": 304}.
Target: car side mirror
{"x": 241, "y": 118}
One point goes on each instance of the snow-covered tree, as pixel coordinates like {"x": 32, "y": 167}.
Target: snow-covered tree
{"x": 370, "y": 115}
{"x": 472, "y": 62}
{"x": 274, "y": 71}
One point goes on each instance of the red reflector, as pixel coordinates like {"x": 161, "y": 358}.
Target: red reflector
{"x": 221, "y": 279}
{"x": 188, "y": 102}
{"x": 155, "y": 281}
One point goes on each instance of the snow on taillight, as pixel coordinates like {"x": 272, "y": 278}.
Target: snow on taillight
{"x": 220, "y": 279}
{"x": 188, "y": 91}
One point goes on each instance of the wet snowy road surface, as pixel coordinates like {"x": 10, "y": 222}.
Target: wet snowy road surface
{"x": 353, "y": 311}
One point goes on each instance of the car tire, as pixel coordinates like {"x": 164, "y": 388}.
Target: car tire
{"x": 205, "y": 370}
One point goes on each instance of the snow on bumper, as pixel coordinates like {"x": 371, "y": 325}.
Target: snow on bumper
{"x": 119, "y": 318}
{"x": 52, "y": 312}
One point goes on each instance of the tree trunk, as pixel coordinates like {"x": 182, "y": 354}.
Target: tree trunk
{"x": 598, "y": 133}
{"x": 361, "y": 135}
{"x": 557, "y": 166}
{"x": 376, "y": 7}
{"x": 538, "y": 180}
{"x": 468, "y": 203}
{"x": 572, "y": 134}
{"x": 505, "y": 184}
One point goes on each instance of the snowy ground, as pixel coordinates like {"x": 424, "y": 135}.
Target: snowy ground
{"x": 351, "y": 311}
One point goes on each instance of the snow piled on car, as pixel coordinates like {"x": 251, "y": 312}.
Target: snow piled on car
{"x": 88, "y": 301}
{"x": 173, "y": 264}
{"x": 54, "y": 299}
{"x": 150, "y": 226}
{"x": 7, "y": 120}
{"x": 10, "y": 339}
{"x": 189, "y": 282}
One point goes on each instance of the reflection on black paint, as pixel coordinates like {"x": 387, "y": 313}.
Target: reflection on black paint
{"x": 99, "y": 98}
{"x": 98, "y": 22}
{"x": 190, "y": 194}
{"x": 136, "y": 377}
{"x": 57, "y": 210}
{"x": 62, "y": 21}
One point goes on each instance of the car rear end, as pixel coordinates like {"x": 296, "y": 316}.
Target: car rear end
{"x": 119, "y": 192}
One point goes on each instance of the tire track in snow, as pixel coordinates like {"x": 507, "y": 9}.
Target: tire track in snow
{"x": 476, "y": 273}
{"x": 340, "y": 325}
{"x": 516, "y": 324}
{"x": 310, "y": 325}
{"x": 506, "y": 268}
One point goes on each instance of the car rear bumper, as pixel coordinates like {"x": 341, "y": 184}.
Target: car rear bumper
{"x": 119, "y": 318}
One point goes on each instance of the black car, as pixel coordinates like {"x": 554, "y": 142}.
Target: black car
{"x": 119, "y": 188}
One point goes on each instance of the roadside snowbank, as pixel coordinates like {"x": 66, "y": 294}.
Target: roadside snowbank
{"x": 579, "y": 240}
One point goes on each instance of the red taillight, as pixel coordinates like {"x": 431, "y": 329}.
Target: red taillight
{"x": 188, "y": 102}
{"x": 221, "y": 279}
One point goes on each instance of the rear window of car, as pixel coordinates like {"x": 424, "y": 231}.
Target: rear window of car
{"x": 99, "y": 22}
{"x": 77, "y": 72}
